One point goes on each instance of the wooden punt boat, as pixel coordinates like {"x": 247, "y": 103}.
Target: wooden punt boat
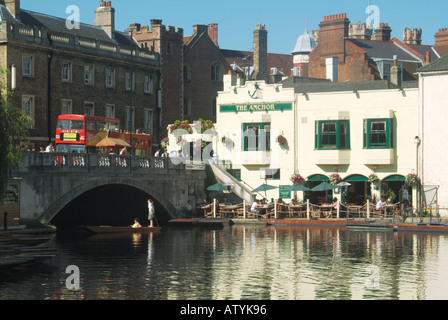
{"x": 109, "y": 229}
{"x": 422, "y": 227}
{"x": 306, "y": 222}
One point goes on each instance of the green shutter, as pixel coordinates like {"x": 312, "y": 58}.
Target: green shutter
{"x": 364, "y": 133}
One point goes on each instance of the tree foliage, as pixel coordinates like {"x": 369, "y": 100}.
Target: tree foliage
{"x": 14, "y": 137}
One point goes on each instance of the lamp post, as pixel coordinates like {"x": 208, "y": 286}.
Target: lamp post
{"x": 417, "y": 142}
{"x": 418, "y": 190}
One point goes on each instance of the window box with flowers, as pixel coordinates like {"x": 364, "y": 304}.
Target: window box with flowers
{"x": 335, "y": 179}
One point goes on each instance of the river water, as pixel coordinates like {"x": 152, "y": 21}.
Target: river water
{"x": 239, "y": 263}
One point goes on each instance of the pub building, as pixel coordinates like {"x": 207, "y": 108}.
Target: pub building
{"x": 320, "y": 130}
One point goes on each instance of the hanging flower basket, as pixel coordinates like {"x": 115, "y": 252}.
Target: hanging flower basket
{"x": 297, "y": 178}
{"x": 281, "y": 140}
{"x": 411, "y": 178}
{"x": 165, "y": 143}
{"x": 373, "y": 177}
{"x": 227, "y": 141}
{"x": 205, "y": 125}
{"x": 335, "y": 179}
{"x": 184, "y": 125}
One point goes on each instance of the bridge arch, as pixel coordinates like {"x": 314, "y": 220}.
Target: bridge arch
{"x": 152, "y": 189}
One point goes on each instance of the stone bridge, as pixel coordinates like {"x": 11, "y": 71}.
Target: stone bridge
{"x": 51, "y": 181}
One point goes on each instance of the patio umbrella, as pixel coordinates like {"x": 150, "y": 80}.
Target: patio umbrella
{"x": 298, "y": 187}
{"x": 112, "y": 143}
{"x": 217, "y": 187}
{"x": 264, "y": 187}
{"x": 324, "y": 186}
{"x": 344, "y": 184}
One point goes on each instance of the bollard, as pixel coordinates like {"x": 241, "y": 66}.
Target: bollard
{"x": 5, "y": 221}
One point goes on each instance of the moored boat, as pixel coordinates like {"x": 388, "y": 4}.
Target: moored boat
{"x": 421, "y": 227}
{"x": 306, "y": 222}
{"x": 109, "y": 229}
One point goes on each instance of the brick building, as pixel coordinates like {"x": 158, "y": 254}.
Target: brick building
{"x": 353, "y": 52}
{"x": 167, "y": 42}
{"x": 87, "y": 70}
{"x": 193, "y": 67}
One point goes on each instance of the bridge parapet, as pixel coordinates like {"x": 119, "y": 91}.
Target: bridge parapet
{"x": 100, "y": 163}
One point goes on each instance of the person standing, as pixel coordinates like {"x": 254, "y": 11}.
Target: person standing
{"x": 151, "y": 212}
{"x": 49, "y": 148}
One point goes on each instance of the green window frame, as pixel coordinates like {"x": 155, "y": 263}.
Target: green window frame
{"x": 256, "y": 136}
{"x": 378, "y": 133}
{"x": 332, "y": 134}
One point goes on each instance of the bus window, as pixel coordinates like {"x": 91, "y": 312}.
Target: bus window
{"x": 101, "y": 126}
{"x": 77, "y": 125}
{"x": 114, "y": 126}
{"x": 70, "y": 124}
{"x": 70, "y": 148}
{"x": 91, "y": 125}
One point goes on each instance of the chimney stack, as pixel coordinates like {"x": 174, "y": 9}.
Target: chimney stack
{"x": 200, "y": 29}
{"x": 13, "y": 6}
{"x": 213, "y": 32}
{"x": 441, "y": 36}
{"x": 261, "y": 53}
{"x": 412, "y": 36}
{"x": 105, "y": 17}
{"x": 383, "y": 33}
{"x": 395, "y": 73}
{"x": 334, "y": 30}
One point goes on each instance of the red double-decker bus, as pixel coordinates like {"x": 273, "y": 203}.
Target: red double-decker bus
{"x": 81, "y": 134}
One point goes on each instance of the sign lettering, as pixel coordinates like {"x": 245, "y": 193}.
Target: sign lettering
{"x": 256, "y": 107}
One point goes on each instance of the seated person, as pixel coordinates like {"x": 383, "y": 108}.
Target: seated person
{"x": 380, "y": 205}
{"x": 136, "y": 224}
{"x": 254, "y": 208}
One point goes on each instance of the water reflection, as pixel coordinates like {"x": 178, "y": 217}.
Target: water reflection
{"x": 242, "y": 262}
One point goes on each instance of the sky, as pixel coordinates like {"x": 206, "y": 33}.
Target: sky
{"x": 285, "y": 20}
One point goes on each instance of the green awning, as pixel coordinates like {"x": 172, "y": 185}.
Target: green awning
{"x": 395, "y": 178}
{"x": 356, "y": 178}
{"x": 318, "y": 177}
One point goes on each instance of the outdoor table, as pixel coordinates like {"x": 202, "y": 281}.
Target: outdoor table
{"x": 325, "y": 209}
{"x": 264, "y": 210}
{"x": 230, "y": 211}
{"x": 300, "y": 209}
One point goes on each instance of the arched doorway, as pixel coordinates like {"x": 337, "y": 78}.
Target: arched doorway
{"x": 359, "y": 190}
{"x": 319, "y": 196}
{"x": 391, "y": 186}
